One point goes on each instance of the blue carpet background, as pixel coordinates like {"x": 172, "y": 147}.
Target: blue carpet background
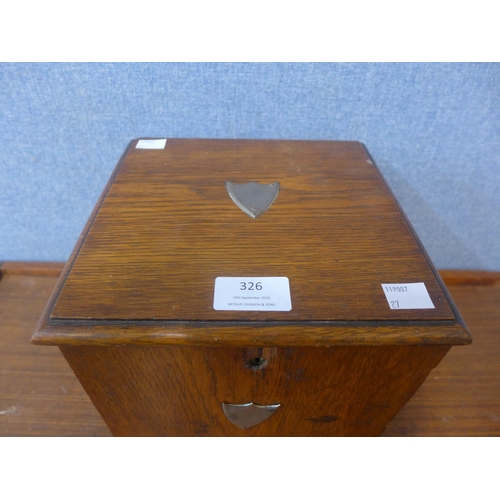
{"x": 433, "y": 130}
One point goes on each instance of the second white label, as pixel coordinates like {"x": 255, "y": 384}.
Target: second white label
{"x": 407, "y": 296}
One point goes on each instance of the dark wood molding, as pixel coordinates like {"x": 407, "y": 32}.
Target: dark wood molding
{"x": 470, "y": 278}
{"x": 31, "y": 268}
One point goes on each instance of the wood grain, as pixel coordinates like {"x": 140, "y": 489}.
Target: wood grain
{"x": 144, "y": 268}
{"x": 179, "y": 391}
{"x": 246, "y": 333}
{"x": 167, "y": 228}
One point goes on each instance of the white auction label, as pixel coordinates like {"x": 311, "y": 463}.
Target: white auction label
{"x": 407, "y": 296}
{"x": 151, "y": 144}
{"x": 252, "y": 294}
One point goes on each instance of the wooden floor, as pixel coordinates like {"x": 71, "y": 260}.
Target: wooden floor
{"x": 40, "y": 396}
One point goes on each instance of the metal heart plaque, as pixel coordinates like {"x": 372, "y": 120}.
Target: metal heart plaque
{"x": 248, "y": 414}
{"x": 253, "y": 198}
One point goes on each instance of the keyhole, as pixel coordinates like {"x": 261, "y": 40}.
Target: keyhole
{"x": 256, "y": 363}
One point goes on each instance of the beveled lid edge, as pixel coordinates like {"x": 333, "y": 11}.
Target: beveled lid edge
{"x": 264, "y": 334}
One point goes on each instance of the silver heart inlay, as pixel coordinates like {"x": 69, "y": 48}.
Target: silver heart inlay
{"x": 248, "y": 414}
{"x": 253, "y": 198}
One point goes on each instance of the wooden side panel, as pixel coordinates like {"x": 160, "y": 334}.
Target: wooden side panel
{"x": 179, "y": 391}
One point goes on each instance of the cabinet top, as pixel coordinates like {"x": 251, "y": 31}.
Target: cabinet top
{"x": 174, "y": 219}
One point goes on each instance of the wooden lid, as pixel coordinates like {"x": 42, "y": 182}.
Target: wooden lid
{"x": 166, "y": 229}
